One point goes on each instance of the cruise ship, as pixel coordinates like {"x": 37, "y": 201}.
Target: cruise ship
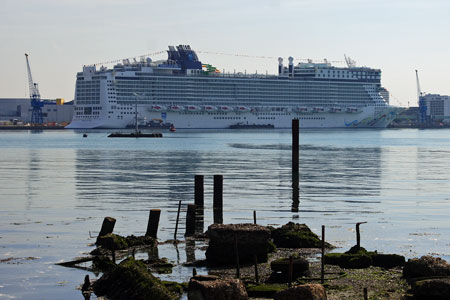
{"x": 188, "y": 94}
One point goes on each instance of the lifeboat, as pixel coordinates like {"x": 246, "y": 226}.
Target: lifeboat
{"x": 318, "y": 109}
{"x": 226, "y": 108}
{"x": 335, "y": 110}
{"x": 243, "y": 108}
{"x": 193, "y": 108}
{"x": 301, "y": 109}
{"x": 158, "y": 108}
{"x": 176, "y": 108}
{"x": 352, "y": 110}
{"x": 209, "y": 108}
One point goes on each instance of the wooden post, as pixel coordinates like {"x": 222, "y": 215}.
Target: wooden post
{"x": 194, "y": 272}
{"x": 290, "y": 270}
{"x": 178, "y": 219}
{"x": 358, "y": 236}
{"x": 199, "y": 203}
{"x": 113, "y": 255}
{"x": 365, "y": 294}
{"x": 295, "y": 165}
{"x": 198, "y": 191}
{"x": 153, "y": 222}
{"x": 255, "y": 259}
{"x": 218, "y": 199}
{"x": 254, "y": 217}
{"x": 236, "y": 251}
{"x": 322, "y": 259}
{"x": 107, "y": 226}
{"x": 87, "y": 284}
{"x": 190, "y": 220}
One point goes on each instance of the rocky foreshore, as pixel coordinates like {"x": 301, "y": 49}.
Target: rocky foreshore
{"x": 248, "y": 261}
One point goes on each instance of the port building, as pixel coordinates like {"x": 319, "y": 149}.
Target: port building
{"x": 438, "y": 107}
{"x": 19, "y": 109}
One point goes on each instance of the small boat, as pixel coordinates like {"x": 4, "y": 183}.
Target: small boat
{"x": 176, "y": 108}
{"x": 193, "y": 108}
{"x": 243, "y": 108}
{"x": 226, "y": 108}
{"x": 158, "y": 108}
{"x": 135, "y": 135}
{"x": 209, "y": 108}
{"x": 172, "y": 128}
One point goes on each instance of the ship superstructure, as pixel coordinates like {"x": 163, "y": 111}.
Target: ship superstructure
{"x": 184, "y": 92}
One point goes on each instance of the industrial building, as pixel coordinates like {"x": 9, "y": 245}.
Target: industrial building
{"x": 437, "y": 107}
{"x": 53, "y": 111}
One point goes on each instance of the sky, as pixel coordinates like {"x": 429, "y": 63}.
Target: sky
{"x": 60, "y": 36}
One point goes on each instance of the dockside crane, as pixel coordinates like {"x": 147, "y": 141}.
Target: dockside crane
{"x": 36, "y": 103}
{"x": 421, "y": 102}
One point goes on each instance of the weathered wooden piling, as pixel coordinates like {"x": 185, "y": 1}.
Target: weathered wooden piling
{"x": 255, "y": 259}
{"x": 254, "y": 217}
{"x": 87, "y": 284}
{"x": 178, "y": 219}
{"x": 107, "y": 226}
{"x": 295, "y": 165}
{"x": 290, "y": 270}
{"x": 199, "y": 203}
{"x": 190, "y": 220}
{"x": 322, "y": 258}
{"x": 153, "y": 223}
{"x": 198, "y": 191}
{"x": 236, "y": 252}
{"x": 218, "y": 199}
{"x": 194, "y": 272}
{"x": 365, "y": 294}
{"x": 358, "y": 236}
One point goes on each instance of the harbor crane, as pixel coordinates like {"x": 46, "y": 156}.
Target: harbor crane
{"x": 421, "y": 102}
{"x": 36, "y": 102}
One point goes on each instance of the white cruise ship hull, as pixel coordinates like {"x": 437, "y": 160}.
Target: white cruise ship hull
{"x": 366, "y": 118}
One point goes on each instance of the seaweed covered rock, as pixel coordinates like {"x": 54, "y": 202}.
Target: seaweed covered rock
{"x": 358, "y": 258}
{"x": 436, "y": 289}
{"x": 251, "y": 240}
{"x": 426, "y": 266}
{"x": 264, "y": 290}
{"x": 388, "y": 261}
{"x": 113, "y": 241}
{"x": 303, "y": 292}
{"x": 294, "y": 235}
{"x": 213, "y": 288}
{"x": 131, "y": 280}
{"x": 280, "y": 267}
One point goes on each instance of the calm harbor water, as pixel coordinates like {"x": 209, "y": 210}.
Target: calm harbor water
{"x": 56, "y": 187}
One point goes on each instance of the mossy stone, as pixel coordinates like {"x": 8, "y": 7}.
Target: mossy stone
{"x": 131, "y": 280}
{"x": 112, "y": 241}
{"x": 264, "y": 290}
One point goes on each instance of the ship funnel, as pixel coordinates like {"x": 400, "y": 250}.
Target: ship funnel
{"x": 291, "y": 66}
{"x": 280, "y": 66}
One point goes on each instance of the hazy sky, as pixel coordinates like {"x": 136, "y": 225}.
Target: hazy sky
{"x": 63, "y": 35}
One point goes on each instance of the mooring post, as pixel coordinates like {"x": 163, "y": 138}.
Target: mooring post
{"x": 218, "y": 199}
{"x": 194, "y": 272}
{"x": 178, "y": 219}
{"x": 255, "y": 259}
{"x": 295, "y": 165}
{"x": 358, "y": 236}
{"x": 190, "y": 220}
{"x": 107, "y": 226}
{"x": 365, "y": 294}
{"x": 198, "y": 191}
{"x": 199, "y": 203}
{"x": 322, "y": 258}
{"x": 153, "y": 223}
{"x": 290, "y": 270}
{"x": 87, "y": 284}
{"x": 254, "y": 217}
{"x": 236, "y": 251}
{"x": 113, "y": 255}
